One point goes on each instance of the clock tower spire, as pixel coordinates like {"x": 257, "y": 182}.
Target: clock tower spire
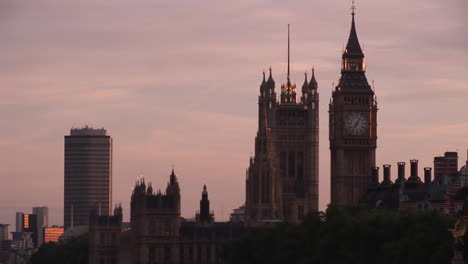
{"x": 353, "y": 126}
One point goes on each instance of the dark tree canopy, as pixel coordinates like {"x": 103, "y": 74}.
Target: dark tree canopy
{"x": 74, "y": 251}
{"x": 351, "y": 234}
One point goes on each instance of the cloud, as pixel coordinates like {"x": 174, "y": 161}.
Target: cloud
{"x": 177, "y": 82}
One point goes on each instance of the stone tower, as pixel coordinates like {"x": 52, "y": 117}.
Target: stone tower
{"x": 155, "y": 217}
{"x": 353, "y": 127}
{"x": 282, "y": 179}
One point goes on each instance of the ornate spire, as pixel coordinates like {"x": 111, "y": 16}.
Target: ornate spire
{"x": 353, "y": 47}
{"x": 313, "y": 83}
{"x": 205, "y": 216}
{"x": 173, "y": 178}
{"x": 270, "y": 78}
{"x": 305, "y": 86}
{"x": 263, "y": 85}
{"x": 288, "y": 90}
{"x": 289, "y": 75}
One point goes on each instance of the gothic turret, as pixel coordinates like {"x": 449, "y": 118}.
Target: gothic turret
{"x": 173, "y": 185}
{"x": 205, "y": 216}
{"x": 305, "y": 86}
{"x": 309, "y": 89}
{"x": 305, "y": 89}
{"x": 263, "y": 86}
{"x": 313, "y": 83}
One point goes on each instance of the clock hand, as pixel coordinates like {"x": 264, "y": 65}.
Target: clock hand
{"x": 354, "y": 123}
{"x": 354, "y": 127}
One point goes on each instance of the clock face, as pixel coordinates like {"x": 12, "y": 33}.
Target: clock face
{"x": 356, "y": 124}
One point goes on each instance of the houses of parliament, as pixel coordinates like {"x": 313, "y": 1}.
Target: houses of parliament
{"x": 282, "y": 177}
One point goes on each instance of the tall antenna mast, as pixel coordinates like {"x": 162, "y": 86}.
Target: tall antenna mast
{"x": 288, "y": 57}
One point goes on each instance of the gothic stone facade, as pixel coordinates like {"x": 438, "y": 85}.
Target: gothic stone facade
{"x": 157, "y": 232}
{"x": 282, "y": 179}
{"x": 353, "y": 127}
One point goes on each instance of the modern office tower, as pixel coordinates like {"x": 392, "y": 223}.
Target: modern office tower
{"x": 29, "y": 225}
{"x": 52, "y": 234}
{"x": 42, "y": 221}
{"x": 446, "y": 165}
{"x": 19, "y": 222}
{"x": 3, "y": 232}
{"x": 88, "y": 174}
{"x": 353, "y": 126}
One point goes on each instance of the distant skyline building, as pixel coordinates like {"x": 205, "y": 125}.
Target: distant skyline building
{"x": 42, "y": 214}
{"x": 446, "y": 165}
{"x": 88, "y": 174}
{"x": 29, "y": 225}
{"x": 3, "y": 232}
{"x": 19, "y": 222}
{"x": 52, "y": 234}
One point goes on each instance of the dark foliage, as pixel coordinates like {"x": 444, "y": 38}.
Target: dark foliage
{"x": 351, "y": 234}
{"x": 74, "y": 251}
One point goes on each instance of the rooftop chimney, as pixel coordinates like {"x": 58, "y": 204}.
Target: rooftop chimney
{"x": 414, "y": 168}
{"x": 427, "y": 175}
{"x": 375, "y": 174}
{"x": 386, "y": 183}
{"x": 386, "y": 172}
{"x": 401, "y": 173}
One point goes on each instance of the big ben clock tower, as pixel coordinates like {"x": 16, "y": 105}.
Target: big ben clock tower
{"x": 353, "y": 126}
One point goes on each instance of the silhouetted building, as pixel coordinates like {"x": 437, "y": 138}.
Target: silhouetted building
{"x": 238, "y": 215}
{"x": 282, "y": 178}
{"x": 412, "y": 192}
{"x": 88, "y": 174}
{"x": 29, "y": 225}
{"x": 42, "y": 214}
{"x": 446, "y": 165}
{"x": 464, "y": 172}
{"x": 157, "y": 233}
{"x": 19, "y": 222}
{"x": 353, "y": 127}
{"x": 205, "y": 215}
{"x": 3, "y": 232}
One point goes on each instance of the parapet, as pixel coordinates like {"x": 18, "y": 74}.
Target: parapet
{"x": 88, "y": 131}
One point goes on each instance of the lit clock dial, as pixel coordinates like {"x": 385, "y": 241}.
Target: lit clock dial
{"x": 356, "y": 124}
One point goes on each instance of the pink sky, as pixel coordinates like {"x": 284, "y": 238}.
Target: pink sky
{"x": 177, "y": 82}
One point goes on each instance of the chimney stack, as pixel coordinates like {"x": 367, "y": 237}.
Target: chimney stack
{"x": 375, "y": 174}
{"x": 414, "y": 168}
{"x": 401, "y": 171}
{"x": 427, "y": 175}
{"x": 386, "y": 172}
